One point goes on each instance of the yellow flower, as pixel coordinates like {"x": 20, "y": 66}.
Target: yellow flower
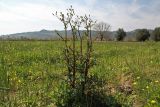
{"x": 134, "y": 83}
{"x": 138, "y": 77}
{"x": 147, "y": 87}
{"x": 153, "y": 101}
{"x": 19, "y": 81}
{"x": 156, "y": 81}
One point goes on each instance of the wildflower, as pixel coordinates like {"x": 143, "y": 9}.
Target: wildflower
{"x": 156, "y": 81}
{"x": 138, "y": 77}
{"x": 153, "y": 101}
{"x": 147, "y": 87}
{"x": 134, "y": 83}
{"x": 19, "y": 81}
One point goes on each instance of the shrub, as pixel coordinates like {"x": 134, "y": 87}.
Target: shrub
{"x": 79, "y": 88}
{"x": 156, "y": 34}
{"x": 142, "y": 35}
{"x": 120, "y": 34}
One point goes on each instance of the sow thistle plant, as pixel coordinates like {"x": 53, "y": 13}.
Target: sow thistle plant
{"x": 79, "y": 85}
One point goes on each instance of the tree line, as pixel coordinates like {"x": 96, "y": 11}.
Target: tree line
{"x": 103, "y": 29}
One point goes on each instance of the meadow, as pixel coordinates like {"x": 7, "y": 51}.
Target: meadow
{"x": 31, "y": 71}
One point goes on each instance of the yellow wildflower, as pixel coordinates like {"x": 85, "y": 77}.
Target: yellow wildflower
{"x": 153, "y": 101}
{"x": 156, "y": 81}
{"x": 19, "y": 81}
{"x": 147, "y": 87}
{"x": 134, "y": 83}
{"x": 138, "y": 77}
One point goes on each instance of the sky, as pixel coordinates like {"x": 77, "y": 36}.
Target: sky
{"x": 34, "y": 15}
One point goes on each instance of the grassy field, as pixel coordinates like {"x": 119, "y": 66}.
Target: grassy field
{"x": 30, "y": 71}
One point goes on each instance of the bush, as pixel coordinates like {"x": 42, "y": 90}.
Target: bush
{"x": 142, "y": 35}
{"x": 79, "y": 88}
{"x": 120, "y": 34}
{"x": 95, "y": 94}
{"x": 156, "y": 34}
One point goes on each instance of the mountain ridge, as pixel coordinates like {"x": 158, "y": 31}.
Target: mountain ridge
{"x": 51, "y": 34}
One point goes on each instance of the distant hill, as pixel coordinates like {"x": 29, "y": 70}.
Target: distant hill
{"x": 43, "y": 34}
{"x": 49, "y": 34}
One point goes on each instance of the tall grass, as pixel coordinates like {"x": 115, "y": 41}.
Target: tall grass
{"x": 32, "y": 71}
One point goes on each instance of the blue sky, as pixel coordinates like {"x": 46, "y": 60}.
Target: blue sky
{"x": 33, "y": 15}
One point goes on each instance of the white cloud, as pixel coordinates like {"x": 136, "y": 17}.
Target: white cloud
{"x": 90, "y": 2}
{"x": 28, "y": 16}
{"x": 131, "y": 17}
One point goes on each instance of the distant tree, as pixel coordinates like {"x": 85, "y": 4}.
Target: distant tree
{"x": 156, "y": 34}
{"x": 142, "y": 34}
{"x": 120, "y": 34}
{"x": 102, "y": 28}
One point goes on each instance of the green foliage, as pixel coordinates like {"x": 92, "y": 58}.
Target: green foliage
{"x": 156, "y": 34}
{"x": 121, "y": 34}
{"x": 4, "y": 84}
{"x": 142, "y": 35}
{"x": 95, "y": 94}
{"x": 66, "y": 96}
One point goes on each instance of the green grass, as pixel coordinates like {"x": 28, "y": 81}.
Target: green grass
{"x": 32, "y": 70}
